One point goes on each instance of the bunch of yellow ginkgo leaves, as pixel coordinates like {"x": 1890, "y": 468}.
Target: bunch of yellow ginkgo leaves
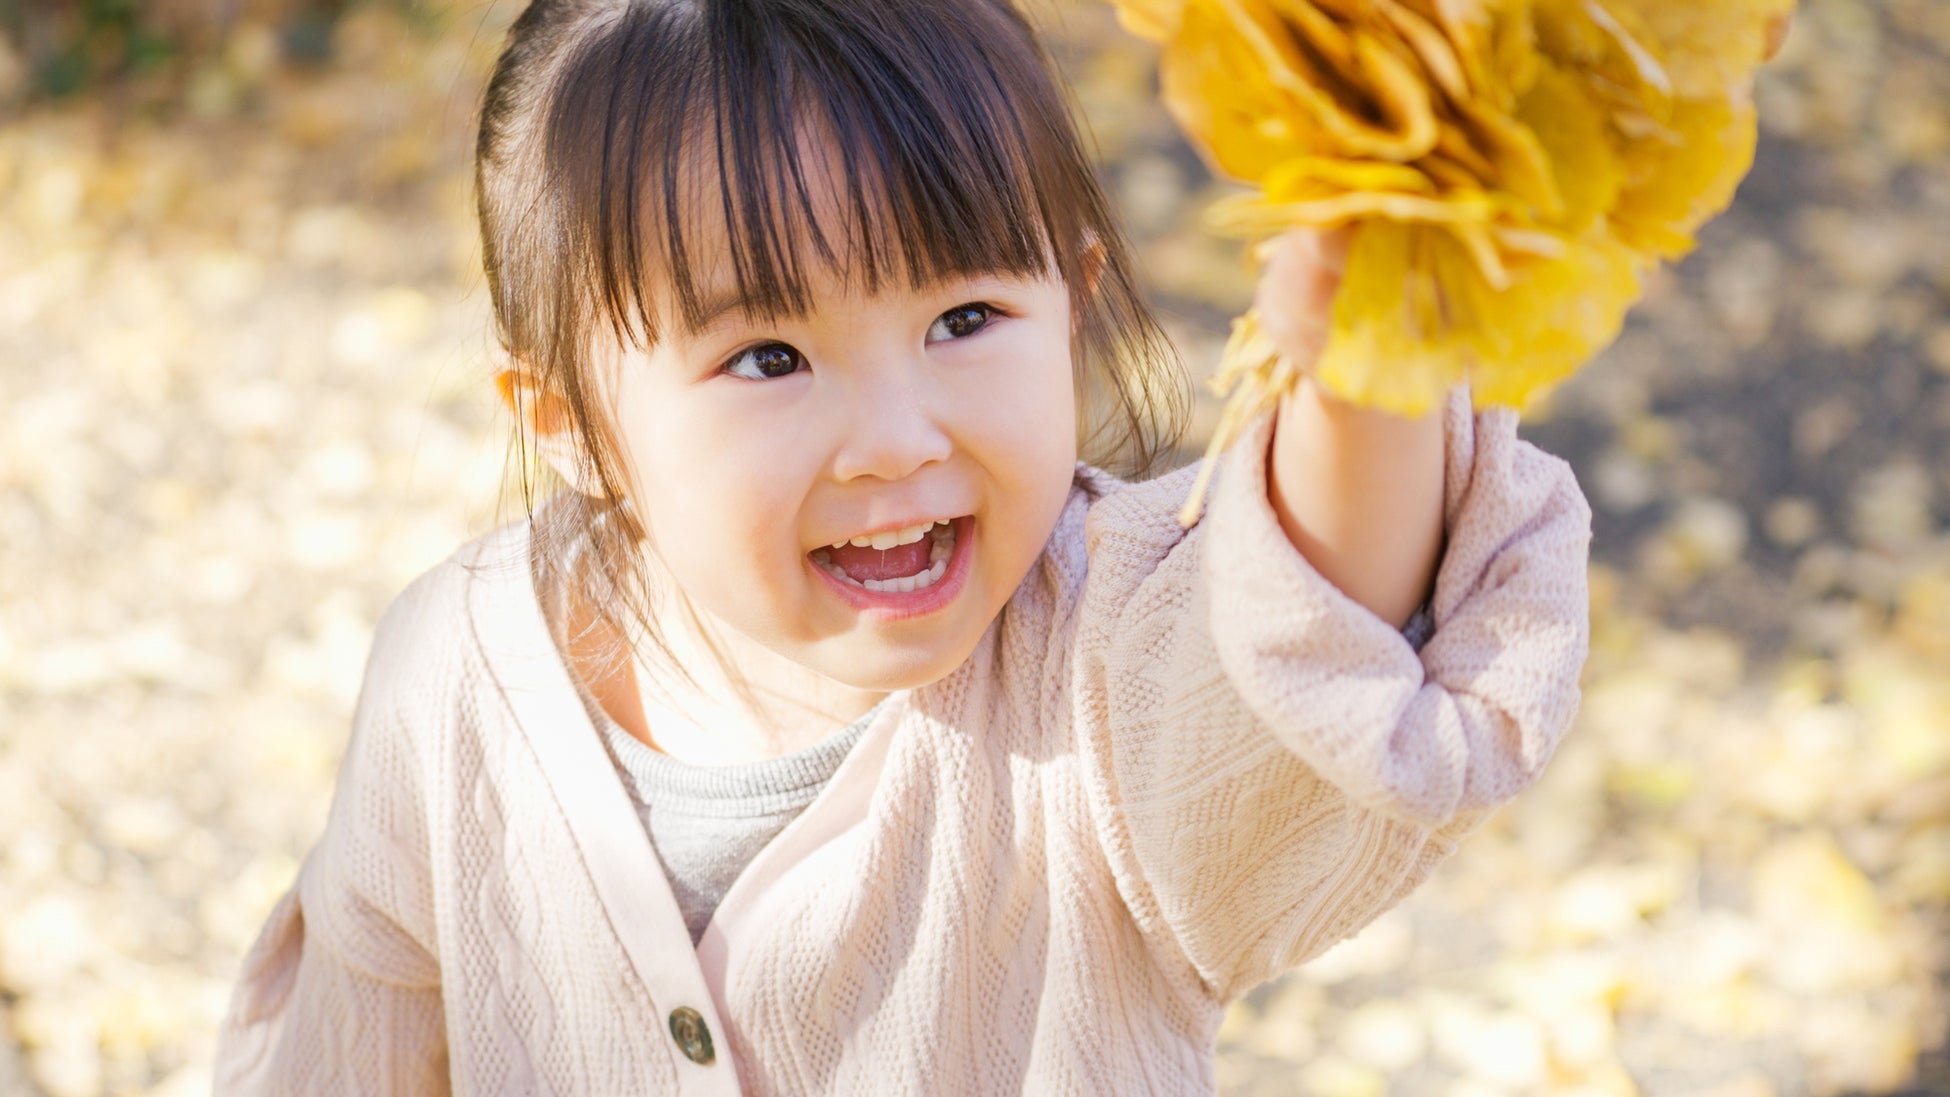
{"x": 1510, "y": 168}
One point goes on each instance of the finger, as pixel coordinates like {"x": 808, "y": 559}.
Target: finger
{"x": 1334, "y": 245}
{"x": 1308, "y": 270}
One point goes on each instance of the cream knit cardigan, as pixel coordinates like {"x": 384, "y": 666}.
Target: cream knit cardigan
{"x": 1179, "y": 763}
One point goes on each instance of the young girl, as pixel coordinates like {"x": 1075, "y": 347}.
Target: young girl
{"x": 836, "y": 730}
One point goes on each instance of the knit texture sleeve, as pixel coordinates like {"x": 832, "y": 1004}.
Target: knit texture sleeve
{"x": 1273, "y": 765}
{"x": 341, "y": 992}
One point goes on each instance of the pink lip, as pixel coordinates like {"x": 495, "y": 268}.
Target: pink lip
{"x": 895, "y": 606}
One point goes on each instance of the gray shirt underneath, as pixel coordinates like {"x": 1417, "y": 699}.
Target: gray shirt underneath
{"x": 708, "y": 822}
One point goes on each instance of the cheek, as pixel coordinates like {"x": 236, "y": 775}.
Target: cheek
{"x": 1025, "y": 438}
{"x": 1029, "y": 407}
{"x": 710, "y": 490}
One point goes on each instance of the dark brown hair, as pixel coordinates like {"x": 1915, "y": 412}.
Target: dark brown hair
{"x": 959, "y": 157}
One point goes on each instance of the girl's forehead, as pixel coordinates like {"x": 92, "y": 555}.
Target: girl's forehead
{"x": 825, "y": 226}
{"x": 810, "y": 202}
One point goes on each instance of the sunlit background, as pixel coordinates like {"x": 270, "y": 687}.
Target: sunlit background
{"x": 244, "y": 399}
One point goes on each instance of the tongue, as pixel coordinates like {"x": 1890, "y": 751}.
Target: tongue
{"x": 862, "y": 564}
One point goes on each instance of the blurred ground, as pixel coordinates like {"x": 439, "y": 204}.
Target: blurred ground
{"x": 242, "y": 378}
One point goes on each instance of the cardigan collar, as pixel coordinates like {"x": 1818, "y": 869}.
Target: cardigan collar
{"x": 513, "y": 637}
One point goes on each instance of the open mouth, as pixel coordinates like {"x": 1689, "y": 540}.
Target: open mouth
{"x": 895, "y": 562}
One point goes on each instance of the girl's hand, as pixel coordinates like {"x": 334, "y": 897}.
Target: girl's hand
{"x": 1295, "y": 299}
{"x": 1358, "y": 492}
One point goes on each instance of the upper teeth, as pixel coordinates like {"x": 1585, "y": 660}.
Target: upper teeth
{"x": 890, "y": 538}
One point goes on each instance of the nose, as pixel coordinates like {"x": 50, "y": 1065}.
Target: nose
{"x": 892, "y": 431}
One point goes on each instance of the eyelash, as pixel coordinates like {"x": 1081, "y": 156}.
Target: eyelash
{"x": 988, "y": 314}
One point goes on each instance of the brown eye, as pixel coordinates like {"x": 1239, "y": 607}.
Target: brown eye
{"x": 960, "y": 322}
{"x": 765, "y": 362}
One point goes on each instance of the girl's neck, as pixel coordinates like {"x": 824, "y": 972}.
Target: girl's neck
{"x": 705, "y": 717}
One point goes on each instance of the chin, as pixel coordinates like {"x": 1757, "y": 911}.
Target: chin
{"x": 892, "y": 668}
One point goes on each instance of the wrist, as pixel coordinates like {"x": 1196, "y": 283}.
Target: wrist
{"x": 1359, "y": 494}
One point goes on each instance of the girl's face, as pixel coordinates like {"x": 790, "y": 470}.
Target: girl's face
{"x": 753, "y": 448}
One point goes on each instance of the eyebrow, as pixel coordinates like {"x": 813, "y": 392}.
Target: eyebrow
{"x": 712, "y": 308}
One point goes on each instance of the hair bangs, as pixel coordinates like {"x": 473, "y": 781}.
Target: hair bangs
{"x": 729, "y": 149}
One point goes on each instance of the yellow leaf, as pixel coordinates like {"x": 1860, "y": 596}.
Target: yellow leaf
{"x": 1571, "y": 132}
{"x": 1235, "y": 65}
{"x": 1513, "y": 167}
{"x": 1684, "y": 177}
{"x": 1214, "y": 83}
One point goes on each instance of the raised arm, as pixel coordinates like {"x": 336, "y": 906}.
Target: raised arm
{"x": 1358, "y": 492}
{"x": 1275, "y": 765}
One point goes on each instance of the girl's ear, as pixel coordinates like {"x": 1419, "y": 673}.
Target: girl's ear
{"x": 1095, "y": 256}
{"x": 547, "y": 423}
